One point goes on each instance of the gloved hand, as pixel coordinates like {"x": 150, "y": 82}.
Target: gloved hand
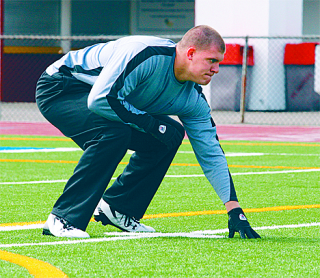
{"x": 166, "y": 133}
{"x": 239, "y": 223}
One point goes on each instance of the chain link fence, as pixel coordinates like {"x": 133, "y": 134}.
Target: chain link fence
{"x": 262, "y": 80}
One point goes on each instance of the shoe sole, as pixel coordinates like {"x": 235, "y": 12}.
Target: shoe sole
{"x": 106, "y": 221}
{"x": 46, "y": 232}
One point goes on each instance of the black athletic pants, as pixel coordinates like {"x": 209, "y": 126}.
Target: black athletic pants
{"x": 63, "y": 102}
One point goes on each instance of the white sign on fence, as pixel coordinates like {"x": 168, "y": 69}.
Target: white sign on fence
{"x": 161, "y": 17}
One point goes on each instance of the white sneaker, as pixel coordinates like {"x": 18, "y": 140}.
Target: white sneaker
{"x": 109, "y": 216}
{"x": 57, "y": 226}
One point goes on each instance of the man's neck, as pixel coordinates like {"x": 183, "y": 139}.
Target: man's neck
{"x": 180, "y": 67}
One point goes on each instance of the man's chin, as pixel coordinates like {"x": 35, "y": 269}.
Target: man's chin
{"x": 205, "y": 82}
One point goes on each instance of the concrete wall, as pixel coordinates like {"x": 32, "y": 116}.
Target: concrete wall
{"x": 257, "y": 18}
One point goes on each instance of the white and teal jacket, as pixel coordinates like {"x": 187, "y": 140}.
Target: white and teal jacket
{"x": 133, "y": 79}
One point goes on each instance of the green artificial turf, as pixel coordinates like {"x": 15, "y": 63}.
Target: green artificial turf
{"x": 281, "y": 252}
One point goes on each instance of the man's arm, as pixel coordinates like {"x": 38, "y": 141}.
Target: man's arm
{"x": 204, "y": 140}
{"x": 163, "y": 131}
{"x": 129, "y": 67}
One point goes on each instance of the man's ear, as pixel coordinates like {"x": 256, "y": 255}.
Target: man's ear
{"x": 190, "y": 52}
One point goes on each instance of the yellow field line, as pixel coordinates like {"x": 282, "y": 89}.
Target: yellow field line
{"x": 37, "y": 161}
{"x": 189, "y": 213}
{"x": 263, "y": 144}
{"x": 21, "y": 223}
{"x": 37, "y": 268}
{"x": 185, "y": 164}
{"x": 173, "y": 164}
{"x": 208, "y": 212}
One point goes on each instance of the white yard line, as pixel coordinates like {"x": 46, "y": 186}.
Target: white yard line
{"x": 21, "y": 227}
{"x": 249, "y": 154}
{"x": 114, "y": 236}
{"x": 179, "y": 176}
{"x": 40, "y": 150}
{"x": 248, "y": 173}
{"x": 32, "y": 182}
{"x": 258, "y": 154}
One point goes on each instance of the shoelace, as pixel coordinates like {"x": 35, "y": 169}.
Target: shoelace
{"x": 66, "y": 225}
{"x": 130, "y": 221}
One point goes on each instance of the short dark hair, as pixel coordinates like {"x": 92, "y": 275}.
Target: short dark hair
{"x": 202, "y": 36}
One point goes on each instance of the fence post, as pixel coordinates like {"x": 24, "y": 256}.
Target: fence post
{"x": 244, "y": 80}
{"x": 1, "y": 46}
{"x": 65, "y": 24}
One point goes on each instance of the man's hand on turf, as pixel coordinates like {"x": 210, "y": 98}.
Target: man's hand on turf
{"x": 239, "y": 223}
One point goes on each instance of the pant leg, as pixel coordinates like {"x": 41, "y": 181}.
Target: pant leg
{"x": 91, "y": 176}
{"x": 134, "y": 189}
{"x": 63, "y": 102}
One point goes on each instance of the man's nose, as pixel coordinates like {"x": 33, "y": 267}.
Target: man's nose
{"x": 215, "y": 68}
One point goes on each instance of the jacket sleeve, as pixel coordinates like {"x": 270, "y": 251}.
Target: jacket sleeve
{"x": 202, "y": 134}
{"x": 115, "y": 82}
{"x": 135, "y": 117}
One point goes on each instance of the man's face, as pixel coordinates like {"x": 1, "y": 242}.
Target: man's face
{"x": 203, "y": 64}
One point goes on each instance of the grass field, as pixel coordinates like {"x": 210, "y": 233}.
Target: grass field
{"x": 277, "y": 183}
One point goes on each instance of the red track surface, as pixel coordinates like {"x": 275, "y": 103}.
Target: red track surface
{"x": 225, "y": 132}
{"x": 269, "y": 133}
{"x": 29, "y": 129}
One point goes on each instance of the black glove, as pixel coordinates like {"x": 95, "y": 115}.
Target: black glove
{"x": 239, "y": 223}
{"x": 166, "y": 133}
